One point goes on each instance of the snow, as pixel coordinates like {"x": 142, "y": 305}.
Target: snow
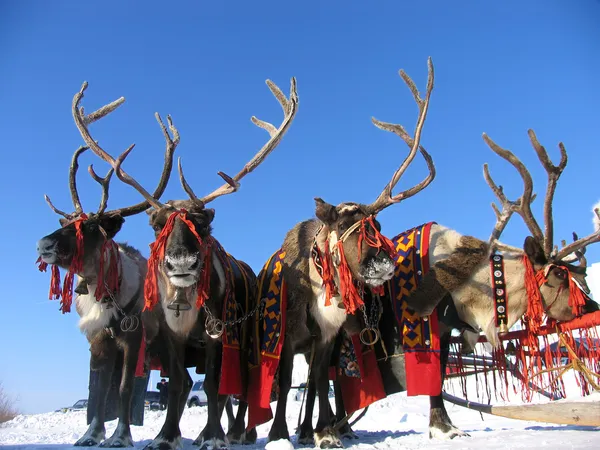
{"x": 395, "y": 422}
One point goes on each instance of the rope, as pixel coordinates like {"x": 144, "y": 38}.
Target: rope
{"x": 575, "y": 364}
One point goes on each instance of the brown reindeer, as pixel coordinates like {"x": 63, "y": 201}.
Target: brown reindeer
{"x": 193, "y": 279}
{"x": 328, "y": 262}
{"x": 463, "y": 293}
{"x": 110, "y": 288}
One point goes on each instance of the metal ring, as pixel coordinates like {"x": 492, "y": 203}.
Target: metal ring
{"x": 214, "y": 328}
{"x": 363, "y": 333}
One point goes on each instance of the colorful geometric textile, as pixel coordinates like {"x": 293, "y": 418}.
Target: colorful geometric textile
{"x": 420, "y": 334}
{"x": 267, "y": 340}
{"x": 233, "y": 308}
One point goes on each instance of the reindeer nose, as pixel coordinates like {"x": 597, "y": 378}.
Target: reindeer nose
{"x": 181, "y": 263}
{"x": 45, "y": 246}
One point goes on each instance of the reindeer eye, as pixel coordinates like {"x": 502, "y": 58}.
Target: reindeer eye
{"x": 560, "y": 273}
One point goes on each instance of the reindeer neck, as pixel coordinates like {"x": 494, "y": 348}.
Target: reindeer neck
{"x": 130, "y": 280}
{"x": 475, "y": 299}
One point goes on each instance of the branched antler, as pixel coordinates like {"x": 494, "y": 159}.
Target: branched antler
{"x": 104, "y": 182}
{"x": 290, "y": 107}
{"x": 554, "y": 173}
{"x": 72, "y": 187}
{"x": 508, "y": 207}
{"x": 386, "y": 198}
{"x": 524, "y": 206}
{"x": 81, "y": 121}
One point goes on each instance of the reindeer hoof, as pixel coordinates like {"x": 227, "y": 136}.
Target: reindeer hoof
{"x": 90, "y": 438}
{"x": 210, "y": 444}
{"x": 446, "y": 432}
{"x": 328, "y": 438}
{"x": 120, "y": 438}
{"x": 86, "y": 442}
{"x": 163, "y": 444}
{"x": 306, "y": 435}
{"x": 250, "y": 437}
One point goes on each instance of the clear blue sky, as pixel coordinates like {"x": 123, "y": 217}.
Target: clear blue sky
{"x": 501, "y": 67}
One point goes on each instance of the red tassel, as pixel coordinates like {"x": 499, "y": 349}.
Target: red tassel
{"x": 328, "y": 281}
{"x": 348, "y": 291}
{"x": 108, "y": 277}
{"x": 375, "y": 239}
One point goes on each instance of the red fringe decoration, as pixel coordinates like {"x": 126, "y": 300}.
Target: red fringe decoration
{"x": 157, "y": 254}
{"x": 348, "y": 291}
{"x": 109, "y": 277}
{"x": 537, "y": 366}
{"x": 376, "y": 239}
{"x": 75, "y": 267}
{"x": 328, "y": 282}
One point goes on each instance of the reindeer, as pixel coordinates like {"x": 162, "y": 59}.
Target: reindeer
{"x": 192, "y": 278}
{"x": 110, "y": 288}
{"x": 328, "y": 262}
{"x": 463, "y": 293}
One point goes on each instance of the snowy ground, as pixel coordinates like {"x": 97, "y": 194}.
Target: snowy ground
{"x": 394, "y": 423}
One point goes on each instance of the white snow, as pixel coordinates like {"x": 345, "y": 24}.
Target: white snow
{"x": 395, "y": 422}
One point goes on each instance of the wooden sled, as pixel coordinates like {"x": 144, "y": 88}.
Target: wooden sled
{"x": 558, "y": 412}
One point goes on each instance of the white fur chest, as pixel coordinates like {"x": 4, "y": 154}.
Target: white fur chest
{"x": 330, "y": 318}
{"x": 93, "y": 314}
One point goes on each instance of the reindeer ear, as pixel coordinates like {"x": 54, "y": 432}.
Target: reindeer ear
{"x": 325, "y": 212}
{"x": 112, "y": 224}
{"x": 535, "y": 252}
{"x": 62, "y": 222}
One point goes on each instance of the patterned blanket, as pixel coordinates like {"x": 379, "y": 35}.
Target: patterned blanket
{"x": 421, "y": 341}
{"x": 266, "y": 340}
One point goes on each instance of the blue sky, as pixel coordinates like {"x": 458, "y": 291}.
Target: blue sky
{"x": 501, "y": 67}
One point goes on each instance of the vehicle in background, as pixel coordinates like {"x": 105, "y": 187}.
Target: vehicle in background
{"x": 151, "y": 400}
{"x": 300, "y": 391}
{"x": 79, "y": 405}
{"x": 197, "y": 396}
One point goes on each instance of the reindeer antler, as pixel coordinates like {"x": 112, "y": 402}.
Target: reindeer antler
{"x": 290, "y": 107}
{"x": 104, "y": 182}
{"x": 523, "y": 208}
{"x": 579, "y": 245}
{"x": 386, "y": 198}
{"x": 554, "y": 173}
{"x": 81, "y": 121}
{"x": 72, "y": 187}
{"x": 523, "y": 205}
{"x": 508, "y": 206}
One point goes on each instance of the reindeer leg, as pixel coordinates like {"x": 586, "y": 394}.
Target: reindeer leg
{"x": 306, "y": 431}
{"x": 326, "y": 436}
{"x": 229, "y": 411}
{"x": 122, "y": 435}
{"x": 340, "y": 413}
{"x": 102, "y": 359}
{"x": 213, "y": 433}
{"x": 238, "y": 434}
{"x": 169, "y": 437}
{"x": 279, "y": 429}
{"x": 440, "y": 425}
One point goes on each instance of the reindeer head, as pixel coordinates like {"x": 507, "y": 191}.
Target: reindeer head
{"x": 181, "y": 255}
{"x": 80, "y": 234}
{"x": 353, "y": 233}
{"x": 83, "y": 239}
{"x": 186, "y": 246}
{"x": 349, "y": 225}
{"x": 562, "y": 286}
